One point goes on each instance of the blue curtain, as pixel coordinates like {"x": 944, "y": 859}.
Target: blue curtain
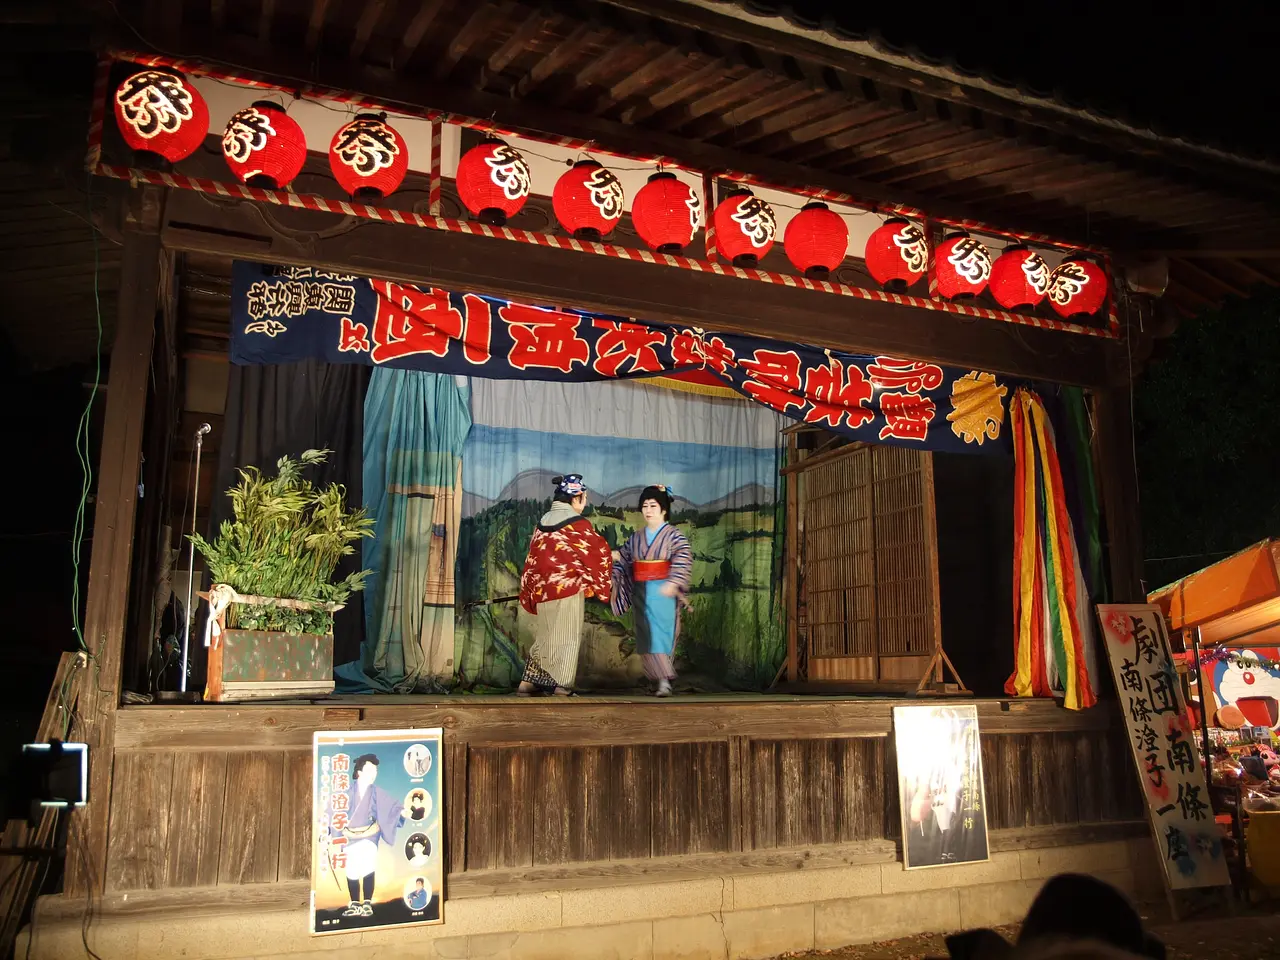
{"x": 415, "y": 425}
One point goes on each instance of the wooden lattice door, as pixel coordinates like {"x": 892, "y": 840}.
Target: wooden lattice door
{"x": 864, "y": 567}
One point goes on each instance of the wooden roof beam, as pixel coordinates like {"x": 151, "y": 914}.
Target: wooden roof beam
{"x": 370, "y": 14}
{"x": 266, "y": 16}
{"x": 671, "y": 93}
{"x": 417, "y": 29}
{"x": 1212, "y": 279}
{"x": 315, "y": 24}
{"x": 827, "y": 105}
{"x": 660, "y": 66}
{"x": 482, "y": 17}
{"x": 563, "y": 53}
{"x": 511, "y": 48}
{"x": 789, "y": 94}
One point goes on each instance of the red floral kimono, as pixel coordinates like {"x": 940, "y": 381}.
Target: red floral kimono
{"x": 568, "y": 561}
{"x": 568, "y": 557}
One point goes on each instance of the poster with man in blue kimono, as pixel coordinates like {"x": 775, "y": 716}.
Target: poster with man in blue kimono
{"x": 378, "y": 853}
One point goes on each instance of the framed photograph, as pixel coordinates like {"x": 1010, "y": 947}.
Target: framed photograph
{"x": 940, "y": 790}
{"x": 378, "y": 846}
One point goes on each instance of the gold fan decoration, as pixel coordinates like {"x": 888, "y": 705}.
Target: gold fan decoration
{"x": 977, "y": 407}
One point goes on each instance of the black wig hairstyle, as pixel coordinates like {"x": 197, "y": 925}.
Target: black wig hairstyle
{"x": 659, "y": 494}
{"x": 362, "y": 760}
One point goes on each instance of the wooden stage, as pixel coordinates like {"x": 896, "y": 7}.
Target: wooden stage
{"x": 207, "y": 795}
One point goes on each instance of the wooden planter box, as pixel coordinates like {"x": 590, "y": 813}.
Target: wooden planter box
{"x": 267, "y": 664}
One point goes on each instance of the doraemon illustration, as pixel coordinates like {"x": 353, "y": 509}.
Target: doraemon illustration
{"x": 1247, "y": 696}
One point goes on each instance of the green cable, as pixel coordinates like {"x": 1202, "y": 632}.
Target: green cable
{"x": 82, "y": 437}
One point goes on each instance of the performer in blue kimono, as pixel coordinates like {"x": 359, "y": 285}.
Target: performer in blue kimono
{"x": 373, "y": 815}
{"x": 651, "y": 573}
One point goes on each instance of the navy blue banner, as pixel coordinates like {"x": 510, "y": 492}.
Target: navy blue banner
{"x": 287, "y": 314}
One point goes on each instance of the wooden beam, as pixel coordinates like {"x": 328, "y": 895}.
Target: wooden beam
{"x": 265, "y": 18}
{"x": 661, "y": 294}
{"x": 495, "y": 721}
{"x": 315, "y": 24}
{"x": 1212, "y": 279}
{"x": 1117, "y": 470}
{"x": 417, "y": 29}
{"x": 1242, "y": 176}
{"x": 481, "y": 18}
{"x": 554, "y": 62}
{"x": 370, "y": 14}
{"x": 511, "y": 48}
{"x": 113, "y": 522}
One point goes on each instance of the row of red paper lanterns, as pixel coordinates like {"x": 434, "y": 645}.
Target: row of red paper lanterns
{"x": 160, "y": 114}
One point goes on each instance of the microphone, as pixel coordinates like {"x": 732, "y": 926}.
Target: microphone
{"x": 203, "y": 429}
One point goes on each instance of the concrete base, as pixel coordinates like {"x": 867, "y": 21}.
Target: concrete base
{"x": 713, "y": 918}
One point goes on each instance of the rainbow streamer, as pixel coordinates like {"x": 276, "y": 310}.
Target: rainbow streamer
{"x": 1053, "y": 630}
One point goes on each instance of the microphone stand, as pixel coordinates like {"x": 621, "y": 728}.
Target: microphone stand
{"x": 201, "y": 432}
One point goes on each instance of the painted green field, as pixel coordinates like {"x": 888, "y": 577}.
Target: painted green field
{"x": 731, "y": 638}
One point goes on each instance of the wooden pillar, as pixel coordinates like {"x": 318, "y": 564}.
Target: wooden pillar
{"x": 1118, "y": 473}
{"x": 113, "y": 525}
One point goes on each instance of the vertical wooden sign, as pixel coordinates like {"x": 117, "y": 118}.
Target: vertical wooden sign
{"x": 1163, "y": 740}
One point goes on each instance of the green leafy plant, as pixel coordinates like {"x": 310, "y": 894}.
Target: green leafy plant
{"x": 285, "y": 542}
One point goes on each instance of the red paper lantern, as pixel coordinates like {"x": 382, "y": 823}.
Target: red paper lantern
{"x": 962, "y": 266}
{"x": 1077, "y": 287}
{"x": 745, "y": 227}
{"x": 264, "y": 146}
{"x": 816, "y": 240}
{"x": 368, "y": 157}
{"x": 160, "y": 115}
{"x": 493, "y": 181}
{"x": 666, "y": 213}
{"x": 897, "y": 254}
{"x": 588, "y": 200}
{"x": 1019, "y": 278}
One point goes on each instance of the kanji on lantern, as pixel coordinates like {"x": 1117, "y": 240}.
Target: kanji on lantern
{"x": 544, "y": 339}
{"x": 622, "y": 342}
{"x": 838, "y": 393}
{"x": 907, "y": 416}
{"x": 773, "y": 378}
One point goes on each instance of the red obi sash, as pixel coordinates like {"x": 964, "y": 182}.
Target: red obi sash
{"x": 646, "y": 570}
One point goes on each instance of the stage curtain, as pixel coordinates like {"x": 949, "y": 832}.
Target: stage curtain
{"x": 1054, "y": 646}
{"x": 415, "y": 427}
{"x": 721, "y": 458}
{"x": 274, "y": 410}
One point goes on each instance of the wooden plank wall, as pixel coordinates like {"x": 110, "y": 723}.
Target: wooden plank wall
{"x": 182, "y": 818}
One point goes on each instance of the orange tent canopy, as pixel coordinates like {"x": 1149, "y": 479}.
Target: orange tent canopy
{"x": 1236, "y": 601}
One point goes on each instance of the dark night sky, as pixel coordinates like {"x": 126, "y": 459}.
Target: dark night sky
{"x": 1182, "y": 67}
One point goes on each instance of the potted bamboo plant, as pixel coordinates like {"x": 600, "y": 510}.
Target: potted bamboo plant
{"x": 273, "y": 593}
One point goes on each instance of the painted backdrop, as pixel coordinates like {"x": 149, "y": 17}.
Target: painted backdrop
{"x": 721, "y": 458}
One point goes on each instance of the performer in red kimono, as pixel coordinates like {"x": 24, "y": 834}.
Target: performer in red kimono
{"x": 651, "y": 573}
{"x": 568, "y": 562}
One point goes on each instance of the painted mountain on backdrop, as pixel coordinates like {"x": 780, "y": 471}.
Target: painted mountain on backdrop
{"x": 536, "y": 485}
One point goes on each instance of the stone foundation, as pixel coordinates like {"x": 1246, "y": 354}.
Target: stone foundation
{"x": 743, "y": 916}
